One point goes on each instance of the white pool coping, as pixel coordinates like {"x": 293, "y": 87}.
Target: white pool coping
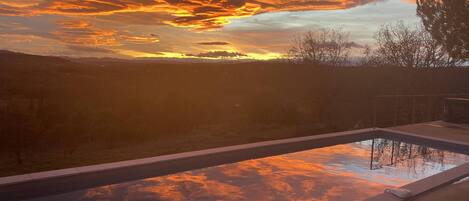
{"x": 52, "y": 182}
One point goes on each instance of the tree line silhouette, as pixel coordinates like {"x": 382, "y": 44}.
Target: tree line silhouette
{"x": 440, "y": 40}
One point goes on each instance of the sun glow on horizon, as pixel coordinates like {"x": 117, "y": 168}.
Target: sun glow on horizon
{"x": 229, "y": 30}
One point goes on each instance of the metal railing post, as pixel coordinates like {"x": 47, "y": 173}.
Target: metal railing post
{"x": 413, "y": 110}
{"x": 372, "y": 153}
{"x": 374, "y": 111}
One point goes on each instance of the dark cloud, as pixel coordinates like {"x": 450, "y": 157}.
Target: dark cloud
{"x": 213, "y": 43}
{"x": 218, "y": 54}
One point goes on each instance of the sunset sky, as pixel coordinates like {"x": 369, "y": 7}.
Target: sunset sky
{"x": 255, "y": 29}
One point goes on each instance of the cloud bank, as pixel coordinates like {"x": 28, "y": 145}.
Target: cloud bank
{"x": 194, "y": 14}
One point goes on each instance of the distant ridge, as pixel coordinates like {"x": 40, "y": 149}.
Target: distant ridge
{"x": 20, "y": 53}
{"x": 10, "y": 57}
{"x": 6, "y": 52}
{"x": 95, "y": 60}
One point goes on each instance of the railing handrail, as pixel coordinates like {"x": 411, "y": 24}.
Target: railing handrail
{"x": 420, "y": 95}
{"x": 412, "y": 108}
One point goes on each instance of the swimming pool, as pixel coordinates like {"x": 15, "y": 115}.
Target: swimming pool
{"x": 351, "y": 171}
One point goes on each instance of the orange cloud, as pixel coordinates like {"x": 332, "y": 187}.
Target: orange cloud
{"x": 140, "y": 39}
{"x": 20, "y": 3}
{"x": 83, "y": 33}
{"x": 79, "y": 32}
{"x": 194, "y": 14}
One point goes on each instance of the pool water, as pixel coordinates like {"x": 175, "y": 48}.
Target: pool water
{"x": 353, "y": 171}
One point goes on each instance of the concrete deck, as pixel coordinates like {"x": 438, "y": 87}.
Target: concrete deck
{"x": 455, "y": 192}
{"x": 438, "y": 129}
{"x": 447, "y": 131}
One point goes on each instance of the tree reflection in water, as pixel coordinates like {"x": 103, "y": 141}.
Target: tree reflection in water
{"x": 410, "y": 157}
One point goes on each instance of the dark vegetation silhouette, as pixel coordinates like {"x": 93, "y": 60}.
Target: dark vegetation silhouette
{"x": 441, "y": 40}
{"x": 327, "y": 46}
{"x": 447, "y": 22}
{"x": 407, "y": 46}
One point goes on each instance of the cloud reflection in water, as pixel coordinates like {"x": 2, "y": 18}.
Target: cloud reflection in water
{"x": 340, "y": 172}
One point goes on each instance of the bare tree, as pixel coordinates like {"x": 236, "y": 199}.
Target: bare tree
{"x": 407, "y": 46}
{"x": 325, "y": 46}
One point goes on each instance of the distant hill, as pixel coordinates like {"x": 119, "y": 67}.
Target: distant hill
{"x": 26, "y": 75}
{"x": 32, "y": 75}
{"x": 9, "y": 57}
{"x": 108, "y": 60}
